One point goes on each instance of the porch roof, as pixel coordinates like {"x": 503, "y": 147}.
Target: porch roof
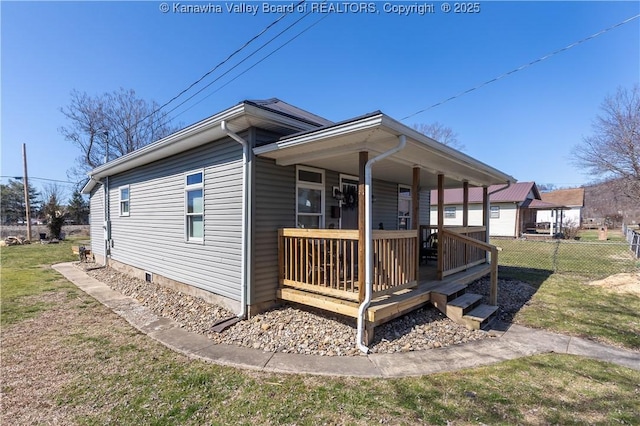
{"x": 337, "y": 147}
{"x": 543, "y": 205}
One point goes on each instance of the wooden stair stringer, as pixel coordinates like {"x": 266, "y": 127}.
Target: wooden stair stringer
{"x": 461, "y": 307}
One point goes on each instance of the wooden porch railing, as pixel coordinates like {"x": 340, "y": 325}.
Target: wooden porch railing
{"x": 459, "y": 255}
{"x": 462, "y": 248}
{"x": 395, "y": 258}
{"x": 325, "y": 261}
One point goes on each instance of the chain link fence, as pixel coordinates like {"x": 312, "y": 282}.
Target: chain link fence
{"x": 632, "y": 235}
{"x": 594, "y": 259}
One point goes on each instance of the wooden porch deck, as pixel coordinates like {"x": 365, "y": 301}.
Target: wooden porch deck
{"x": 388, "y": 307}
{"x": 319, "y": 268}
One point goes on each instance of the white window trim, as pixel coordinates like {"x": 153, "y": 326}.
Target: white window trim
{"x": 311, "y": 185}
{"x": 120, "y": 200}
{"x": 343, "y": 178}
{"x": 497, "y": 210}
{"x": 188, "y": 188}
{"x": 410, "y": 213}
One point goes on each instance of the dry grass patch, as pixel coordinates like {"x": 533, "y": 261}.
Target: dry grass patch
{"x": 621, "y": 283}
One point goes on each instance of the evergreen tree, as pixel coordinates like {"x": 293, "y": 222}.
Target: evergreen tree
{"x": 78, "y": 209}
{"x": 12, "y": 206}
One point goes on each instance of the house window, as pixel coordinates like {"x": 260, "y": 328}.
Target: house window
{"x": 310, "y": 197}
{"x": 404, "y": 207}
{"x": 194, "y": 207}
{"x": 124, "y": 200}
{"x": 495, "y": 212}
{"x": 450, "y": 212}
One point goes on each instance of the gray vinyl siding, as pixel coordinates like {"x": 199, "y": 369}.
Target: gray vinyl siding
{"x": 96, "y": 218}
{"x": 425, "y": 207}
{"x": 385, "y": 208}
{"x": 263, "y": 137}
{"x": 152, "y": 237}
{"x": 274, "y": 208}
{"x": 331, "y": 179}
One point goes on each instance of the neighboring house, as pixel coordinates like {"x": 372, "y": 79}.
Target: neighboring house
{"x": 265, "y": 202}
{"x": 572, "y": 201}
{"x": 512, "y": 211}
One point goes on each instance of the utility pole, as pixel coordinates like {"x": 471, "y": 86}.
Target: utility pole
{"x": 25, "y": 183}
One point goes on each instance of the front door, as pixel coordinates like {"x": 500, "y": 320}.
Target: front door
{"x": 349, "y": 207}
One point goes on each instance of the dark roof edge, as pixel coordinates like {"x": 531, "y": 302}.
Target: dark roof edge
{"x": 257, "y": 104}
{"x": 328, "y": 126}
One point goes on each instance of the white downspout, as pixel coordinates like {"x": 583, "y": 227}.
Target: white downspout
{"x": 243, "y": 233}
{"x": 107, "y": 213}
{"x": 107, "y": 220}
{"x": 368, "y": 240}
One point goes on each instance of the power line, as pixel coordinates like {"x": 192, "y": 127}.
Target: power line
{"x": 543, "y": 58}
{"x": 38, "y": 178}
{"x": 245, "y": 45}
{"x": 255, "y": 64}
{"x": 245, "y": 59}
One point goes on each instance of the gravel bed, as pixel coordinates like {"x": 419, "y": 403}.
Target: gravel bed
{"x": 289, "y": 329}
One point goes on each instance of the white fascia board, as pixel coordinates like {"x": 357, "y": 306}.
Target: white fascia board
{"x": 454, "y": 154}
{"x": 271, "y": 149}
{"x": 174, "y": 143}
{"x": 187, "y": 138}
{"x": 278, "y": 150}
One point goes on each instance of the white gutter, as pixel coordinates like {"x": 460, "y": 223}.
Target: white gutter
{"x": 244, "y": 245}
{"x": 192, "y": 136}
{"x": 368, "y": 240}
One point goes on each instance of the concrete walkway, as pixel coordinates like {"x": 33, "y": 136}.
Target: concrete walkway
{"x": 515, "y": 342}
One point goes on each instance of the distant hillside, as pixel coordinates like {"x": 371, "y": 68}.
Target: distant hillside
{"x": 604, "y": 200}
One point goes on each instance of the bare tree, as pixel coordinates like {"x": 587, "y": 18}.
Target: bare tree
{"x": 546, "y": 187}
{"x": 118, "y": 121}
{"x": 613, "y": 151}
{"x": 440, "y": 133}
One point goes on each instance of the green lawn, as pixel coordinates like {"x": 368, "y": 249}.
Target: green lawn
{"x": 108, "y": 373}
{"x": 590, "y": 259}
{"x": 566, "y": 304}
{"x": 613, "y": 235}
{"x": 26, "y": 271}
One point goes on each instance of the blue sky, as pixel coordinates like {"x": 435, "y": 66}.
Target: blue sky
{"x": 345, "y": 65}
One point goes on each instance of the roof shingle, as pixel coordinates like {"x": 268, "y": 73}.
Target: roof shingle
{"x": 573, "y": 197}
{"x": 516, "y": 193}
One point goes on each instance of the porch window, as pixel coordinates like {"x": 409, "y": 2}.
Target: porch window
{"x": 495, "y": 212}
{"x": 194, "y": 207}
{"x": 404, "y": 207}
{"x": 124, "y": 200}
{"x": 450, "y": 212}
{"x": 310, "y": 197}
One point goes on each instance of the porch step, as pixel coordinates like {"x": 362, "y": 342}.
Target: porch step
{"x": 480, "y": 317}
{"x": 449, "y": 289}
{"x": 462, "y": 305}
{"x": 442, "y": 295}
